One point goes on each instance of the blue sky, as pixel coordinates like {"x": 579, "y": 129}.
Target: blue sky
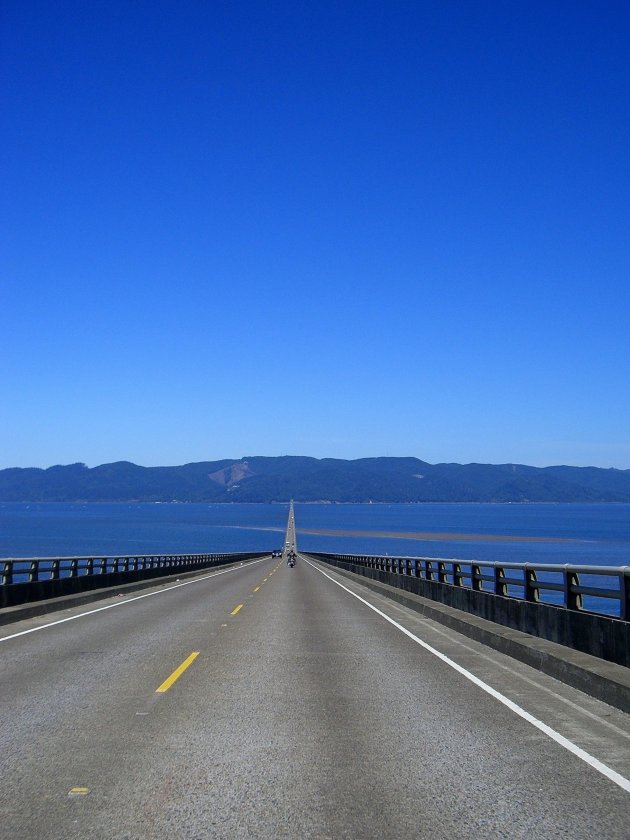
{"x": 331, "y": 229}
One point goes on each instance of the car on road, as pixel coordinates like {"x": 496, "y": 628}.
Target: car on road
{"x": 276, "y": 552}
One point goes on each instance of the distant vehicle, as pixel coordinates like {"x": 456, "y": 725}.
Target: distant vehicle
{"x": 276, "y": 552}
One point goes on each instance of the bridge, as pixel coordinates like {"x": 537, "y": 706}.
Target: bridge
{"x": 236, "y": 697}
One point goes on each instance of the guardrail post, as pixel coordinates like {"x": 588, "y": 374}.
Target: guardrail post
{"x": 532, "y": 592}
{"x": 572, "y": 599}
{"x": 458, "y": 577}
{"x": 500, "y": 587}
{"x": 441, "y": 571}
{"x": 33, "y": 572}
{"x": 7, "y": 571}
{"x": 74, "y": 567}
{"x": 54, "y": 569}
{"x": 476, "y": 582}
{"x": 624, "y": 591}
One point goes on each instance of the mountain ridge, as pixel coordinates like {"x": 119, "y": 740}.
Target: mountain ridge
{"x": 303, "y": 478}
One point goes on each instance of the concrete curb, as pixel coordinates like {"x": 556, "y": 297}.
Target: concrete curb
{"x": 32, "y": 609}
{"x": 596, "y": 677}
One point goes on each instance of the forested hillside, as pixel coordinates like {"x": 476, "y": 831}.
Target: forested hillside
{"x": 262, "y": 479}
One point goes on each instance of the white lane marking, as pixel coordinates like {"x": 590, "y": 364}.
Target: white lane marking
{"x": 538, "y": 685}
{"x": 128, "y": 601}
{"x": 589, "y": 759}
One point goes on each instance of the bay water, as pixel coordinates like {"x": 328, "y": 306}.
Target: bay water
{"x": 584, "y": 534}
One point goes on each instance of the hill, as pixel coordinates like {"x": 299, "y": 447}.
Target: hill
{"x": 262, "y": 479}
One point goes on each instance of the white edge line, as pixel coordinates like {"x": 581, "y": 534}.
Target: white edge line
{"x": 122, "y": 603}
{"x": 611, "y": 774}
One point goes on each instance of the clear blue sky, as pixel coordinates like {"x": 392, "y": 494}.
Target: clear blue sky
{"x": 323, "y": 228}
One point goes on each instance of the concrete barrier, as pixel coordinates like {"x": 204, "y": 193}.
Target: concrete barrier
{"x": 598, "y": 635}
{"x": 50, "y": 582}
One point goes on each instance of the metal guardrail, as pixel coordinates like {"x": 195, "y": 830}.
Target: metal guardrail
{"x": 577, "y": 588}
{"x": 17, "y": 570}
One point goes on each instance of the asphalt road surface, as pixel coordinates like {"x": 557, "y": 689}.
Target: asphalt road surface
{"x": 270, "y": 702}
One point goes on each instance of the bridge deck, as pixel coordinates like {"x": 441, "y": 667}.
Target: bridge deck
{"x": 304, "y": 714}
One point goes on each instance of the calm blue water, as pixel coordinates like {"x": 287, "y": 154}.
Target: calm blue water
{"x": 591, "y": 534}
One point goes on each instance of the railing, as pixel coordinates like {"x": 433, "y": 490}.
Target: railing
{"x": 604, "y": 590}
{"x": 15, "y": 571}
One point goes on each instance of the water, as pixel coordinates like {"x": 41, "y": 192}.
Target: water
{"x": 62, "y": 530}
{"x": 557, "y": 534}
{"x": 582, "y": 534}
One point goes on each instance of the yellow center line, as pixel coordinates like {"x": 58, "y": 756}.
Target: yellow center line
{"x": 177, "y": 673}
{"x": 236, "y": 609}
{"x": 257, "y": 588}
{"x": 265, "y": 580}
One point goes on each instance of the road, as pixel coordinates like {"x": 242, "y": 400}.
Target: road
{"x": 304, "y": 714}
{"x": 290, "y": 544}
